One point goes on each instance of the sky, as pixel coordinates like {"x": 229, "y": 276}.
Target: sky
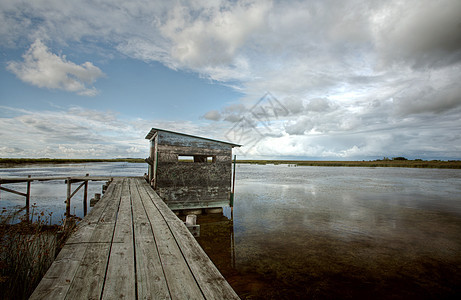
{"x": 319, "y": 80}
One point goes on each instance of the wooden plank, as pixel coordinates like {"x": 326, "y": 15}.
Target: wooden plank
{"x": 151, "y": 282}
{"x": 95, "y": 213}
{"x": 180, "y": 280}
{"x": 62, "y": 273}
{"x": 85, "y": 229}
{"x": 131, "y": 245}
{"x": 89, "y": 279}
{"x": 210, "y": 280}
{"x": 175, "y": 139}
{"x": 184, "y": 150}
{"x": 58, "y": 278}
{"x": 120, "y": 277}
{"x": 82, "y": 234}
{"x": 109, "y": 215}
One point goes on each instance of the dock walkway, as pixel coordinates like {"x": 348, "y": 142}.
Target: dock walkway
{"x": 132, "y": 246}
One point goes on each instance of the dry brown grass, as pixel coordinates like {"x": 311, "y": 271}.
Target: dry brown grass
{"x": 27, "y": 249}
{"x": 376, "y": 163}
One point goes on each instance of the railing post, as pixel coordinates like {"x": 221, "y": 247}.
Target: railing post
{"x": 69, "y": 187}
{"x": 85, "y": 197}
{"x": 28, "y": 198}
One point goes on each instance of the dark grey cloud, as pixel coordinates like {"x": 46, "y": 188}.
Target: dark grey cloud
{"x": 427, "y": 99}
{"x": 421, "y": 33}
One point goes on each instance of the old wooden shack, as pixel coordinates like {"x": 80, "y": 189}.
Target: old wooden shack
{"x": 188, "y": 171}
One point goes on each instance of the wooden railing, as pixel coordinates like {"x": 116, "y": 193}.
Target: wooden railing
{"x": 68, "y": 180}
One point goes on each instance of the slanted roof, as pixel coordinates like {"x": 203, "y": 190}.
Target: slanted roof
{"x": 154, "y": 130}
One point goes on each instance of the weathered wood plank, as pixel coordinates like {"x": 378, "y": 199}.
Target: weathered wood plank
{"x": 120, "y": 277}
{"x": 184, "y": 150}
{"x": 59, "y": 276}
{"x": 175, "y": 139}
{"x": 211, "y": 282}
{"x": 89, "y": 279}
{"x": 109, "y": 215}
{"x": 131, "y": 246}
{"x": 151, "y": 282}
{"x": 84, "y": 231}
{"x": 180, "y": 280}
{"x": 95, "y": 213}
{"x": 82, "y": 234}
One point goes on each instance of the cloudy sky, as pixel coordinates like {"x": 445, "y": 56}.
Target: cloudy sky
{"x": 314, "y": 79}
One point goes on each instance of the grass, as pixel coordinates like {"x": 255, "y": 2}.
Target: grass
{"x": 27, "y": 249}
{"x": 376, "y": 163}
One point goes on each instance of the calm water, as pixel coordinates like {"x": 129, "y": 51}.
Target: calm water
{"x": 324, "y": 233}
{"x": 315, "y": 232}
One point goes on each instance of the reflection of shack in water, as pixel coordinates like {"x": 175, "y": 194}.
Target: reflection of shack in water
{"x": 190, "y": 172}
{"x": 217, "y": 239}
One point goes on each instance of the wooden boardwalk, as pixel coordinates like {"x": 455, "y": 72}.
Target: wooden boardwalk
{"x": 132, "y": 246}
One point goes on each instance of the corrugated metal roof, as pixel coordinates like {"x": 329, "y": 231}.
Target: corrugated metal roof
{"x": 154, "y": 130}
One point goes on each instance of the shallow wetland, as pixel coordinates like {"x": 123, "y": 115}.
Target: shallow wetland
{"x": 339, "y": 233}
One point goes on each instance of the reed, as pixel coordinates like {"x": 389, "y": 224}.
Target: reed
{"x": 27, "y": 249}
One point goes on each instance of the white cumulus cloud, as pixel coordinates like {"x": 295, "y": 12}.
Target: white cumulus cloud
{"x": 48, "y": 70}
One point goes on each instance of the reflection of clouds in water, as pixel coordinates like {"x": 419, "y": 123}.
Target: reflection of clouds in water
{"x": 347, "y": 229}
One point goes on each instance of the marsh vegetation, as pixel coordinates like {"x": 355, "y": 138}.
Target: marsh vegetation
{"x": 27, "y": 249}
{"x": 385, "y": 162}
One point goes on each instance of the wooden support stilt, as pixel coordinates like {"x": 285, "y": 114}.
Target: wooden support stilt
{"x": 69, "y": 188}
{"x": 85, "y": 197}
{"x": 191, "y": 224}
{"x": 231, "y": 200}
{"x": 28, "y": 199}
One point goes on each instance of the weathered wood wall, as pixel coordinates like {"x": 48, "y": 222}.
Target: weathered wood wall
{"x": 192, "y": 184}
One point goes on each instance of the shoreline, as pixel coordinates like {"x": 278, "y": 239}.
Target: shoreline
{"x": 431, "y": 164}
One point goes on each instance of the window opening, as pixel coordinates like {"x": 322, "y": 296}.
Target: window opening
{"x": 197, "y": 158}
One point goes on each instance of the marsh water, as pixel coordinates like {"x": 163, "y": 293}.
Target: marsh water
{"x": 329, "y": 233}
{"x": 316, "y": 232}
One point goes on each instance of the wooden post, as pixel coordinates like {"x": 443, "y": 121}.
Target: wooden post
{"x": 191, "y": 224}
{"x": 85, "y": 197}
{"x": 155, "y": 170}
{"x": 231, "y": 202}
{"x": 69, "y": 187}
{"x": 28, "y": 198}
{"x": 151, "y": 156}
{"x": 191, "y": 220}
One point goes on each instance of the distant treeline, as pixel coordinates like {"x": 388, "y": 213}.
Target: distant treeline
{"x": 17, "y": 161}
{"x": 399, "y": 163}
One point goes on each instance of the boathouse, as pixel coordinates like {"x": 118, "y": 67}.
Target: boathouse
{"x": 189, "y": 172}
